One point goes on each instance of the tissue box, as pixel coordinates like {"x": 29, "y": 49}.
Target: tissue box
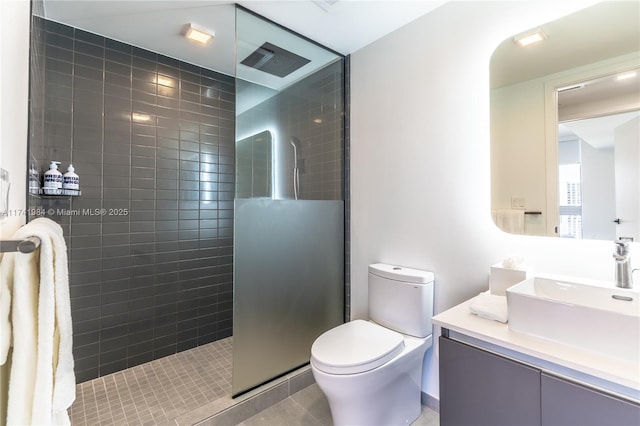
{"x": 502, "y": 278}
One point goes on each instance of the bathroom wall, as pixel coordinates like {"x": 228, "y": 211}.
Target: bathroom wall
{"x": 14, "y": 95}
{"x": 14, "y": 81}
{"x": 153, "y": 140}
{"x": 420, "y": 173}
{"x": 420, "y": 169}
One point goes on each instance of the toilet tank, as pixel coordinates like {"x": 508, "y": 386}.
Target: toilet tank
{"x": 401, "y": 298}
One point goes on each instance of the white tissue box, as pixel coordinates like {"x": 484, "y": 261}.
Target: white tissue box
{"x": 502, "y": 278}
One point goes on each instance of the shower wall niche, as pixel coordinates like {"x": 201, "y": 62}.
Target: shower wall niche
{"x": 151, "y": 237}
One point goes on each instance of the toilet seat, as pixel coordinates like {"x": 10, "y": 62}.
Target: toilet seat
{"x": 355, "y": 347}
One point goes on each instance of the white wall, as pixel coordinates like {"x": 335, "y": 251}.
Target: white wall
{"x": 518, "y": 155}
{"x": 627, "y": 176}
{"x": 598, "y": 200}
{"x": 420, "y": 173}
{"x": 14, "y": 94}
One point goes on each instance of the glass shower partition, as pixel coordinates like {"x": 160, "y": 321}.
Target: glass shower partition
{"x": 289, "y": 205}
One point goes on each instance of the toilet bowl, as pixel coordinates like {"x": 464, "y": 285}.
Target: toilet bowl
{"x": 371, "y": 371}
{"x": 379, "y": 385}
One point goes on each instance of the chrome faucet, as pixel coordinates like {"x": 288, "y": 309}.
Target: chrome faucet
{"x": 623, "y": 266}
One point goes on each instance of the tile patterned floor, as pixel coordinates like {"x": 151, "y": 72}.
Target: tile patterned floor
{"x": 156, "y": 392}
{"x": 309, "y": 407}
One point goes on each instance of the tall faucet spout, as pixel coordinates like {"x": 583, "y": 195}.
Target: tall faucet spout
{"x": 623, "y": 267}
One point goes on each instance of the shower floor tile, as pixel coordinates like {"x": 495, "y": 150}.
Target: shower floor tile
{"x": 157, "y": 392}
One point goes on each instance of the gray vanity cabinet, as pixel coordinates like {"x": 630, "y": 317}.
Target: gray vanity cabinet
{"x": 479, "y": 388}
{"x": 567, "y": 403}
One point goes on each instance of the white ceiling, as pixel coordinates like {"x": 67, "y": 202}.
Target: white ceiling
{"x": 157, "y": 25}
{"x": 599, "y": 132}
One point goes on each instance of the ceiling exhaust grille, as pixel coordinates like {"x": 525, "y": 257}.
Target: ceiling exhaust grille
{"x": 274, "y": 60}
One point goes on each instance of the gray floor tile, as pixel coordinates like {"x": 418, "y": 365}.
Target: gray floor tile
{"x": 159, "y": 392}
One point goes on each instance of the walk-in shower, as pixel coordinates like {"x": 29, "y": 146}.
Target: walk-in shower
{"x": 229, "y": 181}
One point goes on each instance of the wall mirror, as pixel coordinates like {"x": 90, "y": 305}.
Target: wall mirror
{"x": 565, "y": 149}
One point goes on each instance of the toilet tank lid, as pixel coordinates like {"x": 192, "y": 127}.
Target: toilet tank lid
{"x": 400, "y": 273}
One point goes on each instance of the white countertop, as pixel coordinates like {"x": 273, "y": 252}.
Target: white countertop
{"x": 591, "y": 368}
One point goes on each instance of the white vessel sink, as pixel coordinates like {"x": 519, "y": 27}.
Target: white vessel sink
{"x": 591, "y": 315}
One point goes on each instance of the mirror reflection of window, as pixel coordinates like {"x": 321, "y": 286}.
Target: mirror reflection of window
{"x": 570, "y": 191}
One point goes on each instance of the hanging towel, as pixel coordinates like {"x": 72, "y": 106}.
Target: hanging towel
{"x": 41, "y": 380}
{"x": 509, "y": 220}
{"x": 490, "y": 306}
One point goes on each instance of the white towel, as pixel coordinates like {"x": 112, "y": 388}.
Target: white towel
{"x": 490, "y": 306}
{"x": 6, "y": 286}
{"x": 41, "y": 380}
{"x": 509, "y": 220}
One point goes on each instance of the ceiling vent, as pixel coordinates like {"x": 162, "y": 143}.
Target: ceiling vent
{"x": 274, "y": 60}
{"x": 324, "y": 4}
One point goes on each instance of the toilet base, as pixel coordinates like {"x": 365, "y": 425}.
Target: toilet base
{"x": 385, "y": 396}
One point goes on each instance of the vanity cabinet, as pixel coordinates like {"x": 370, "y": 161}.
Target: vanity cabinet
{"x": 568, "y": 403}
{"x": 481, "y": 388}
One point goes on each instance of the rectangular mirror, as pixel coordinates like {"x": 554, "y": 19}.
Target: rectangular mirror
{"x": 570, "y": 78}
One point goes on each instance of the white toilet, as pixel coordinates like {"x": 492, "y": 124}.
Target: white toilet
{"x": 371, "y": 371}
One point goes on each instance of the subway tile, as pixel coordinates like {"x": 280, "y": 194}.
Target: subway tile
{"x": 63, "y": 40}
{"x": 89, "y": 61}
{"x": 86, "y": 72}
{"x": 113, "y": 367}
{"x": 88, "y": 48}
{"x": 118, "y": 56}
{"x": 59, "y": 54}
{"x": 147, "y": 96}
{"x": 113, "y": 69}
{"x": 171, "y": 62}
{"x": 57, "y": 28}
{"x": 168, "y": 106}
{"x": 144, "y": 54}
{"x": 117, "y": 46}
{"x": 89, "y": 37}
{"x": 113, "y": 80}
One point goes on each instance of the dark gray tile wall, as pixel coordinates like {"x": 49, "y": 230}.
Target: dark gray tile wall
{"x": 151, "y": 237}
{"x": 36, "y": 94}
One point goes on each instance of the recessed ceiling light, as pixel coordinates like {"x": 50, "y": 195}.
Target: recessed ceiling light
{"x": 530, "y": 38}
{"x": 198, "y": 35}
{"x": 626, "y": 75}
